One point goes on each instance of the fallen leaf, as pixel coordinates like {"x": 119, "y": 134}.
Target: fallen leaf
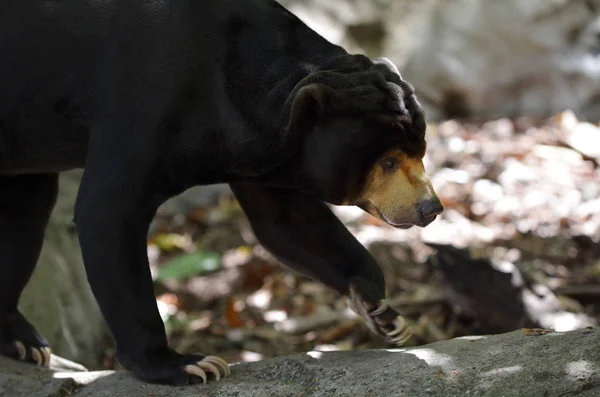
{"x": 536, "y": 331}
{"x": 187, "y": 265}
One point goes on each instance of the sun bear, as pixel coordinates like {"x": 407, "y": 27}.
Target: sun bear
{"x": 152, "y": 98}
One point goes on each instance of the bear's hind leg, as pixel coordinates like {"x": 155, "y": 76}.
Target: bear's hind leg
{"x": 25, "y": 206}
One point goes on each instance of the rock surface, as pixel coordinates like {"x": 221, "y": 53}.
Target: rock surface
{"x": 518, "y": 363}
{"x": 58, "y": 299}
{"x": 476, "y": 57}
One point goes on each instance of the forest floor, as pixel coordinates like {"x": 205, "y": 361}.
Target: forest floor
{"x": 517, "y": 246}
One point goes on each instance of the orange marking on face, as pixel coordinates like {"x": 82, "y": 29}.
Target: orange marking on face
{"x": 392, "y": 193}
{"x": 412, "y": 167}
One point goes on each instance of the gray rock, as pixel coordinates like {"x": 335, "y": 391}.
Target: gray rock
{"x": 194, "y": 198}
{"x": 476, "y": 57}
{"x": 512, "y": 364}
{"x": 495, "y": 59}
{"x": 58, "y": 299}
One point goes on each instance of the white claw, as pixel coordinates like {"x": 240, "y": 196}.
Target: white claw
{"x": 402, "y": 338}
{"x": 208, "y": 367}
{"x": 37, "y": 356}
{"x": 402, "y": 333}
{"x": 21, "y": 350}
{"x": 383, "y": 306}
{"x": 220, "y": 363}
{"x": 47, "y": 355}
{"x": 355, "y": 303}
{"x": 194, "y": 370}
{"x": 399, "y": 324}
{"x": 401, "y": 342}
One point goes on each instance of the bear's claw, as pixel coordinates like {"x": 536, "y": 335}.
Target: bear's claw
{"x": 402, "y": 333}
{"x": 39, "y": 355}
{"x": 383, "y": 306}
{"x": 381, "y": 319}
{"x": 210, "y": 364}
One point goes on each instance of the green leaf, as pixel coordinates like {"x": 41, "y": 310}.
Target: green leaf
{"x": 187, "y": 265}
{"x": 171, "y": 241}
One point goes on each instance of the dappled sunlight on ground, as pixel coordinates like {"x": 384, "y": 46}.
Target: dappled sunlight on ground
{"x": 315, "y": 355}
{"x": 471, "y": 337}
{"x": 500, "y": 372}
{"x": 581, "y": 370}
{"x": 433, "y": 358}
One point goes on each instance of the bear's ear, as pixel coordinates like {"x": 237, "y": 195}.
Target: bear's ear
{"x": 311, "y": 99}
{"x": 308, "y": 105}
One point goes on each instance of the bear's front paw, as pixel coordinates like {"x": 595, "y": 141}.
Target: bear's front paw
{"x": 391, "y": 323}
{"x": 381, "y": 318}
{"x": 166, "y": 366}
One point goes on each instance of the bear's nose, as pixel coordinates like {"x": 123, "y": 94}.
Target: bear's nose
{"x": 429, "y": 209}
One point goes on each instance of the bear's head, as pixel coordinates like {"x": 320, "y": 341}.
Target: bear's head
{"x": 363, "y": 141}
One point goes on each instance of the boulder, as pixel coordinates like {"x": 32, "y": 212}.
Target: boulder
{"x": 58, "y": 299}
{"x": 483, "y": 58}
{"x": 520, "y": 363}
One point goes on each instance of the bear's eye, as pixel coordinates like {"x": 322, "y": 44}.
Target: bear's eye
{"x": 389, "y": 164}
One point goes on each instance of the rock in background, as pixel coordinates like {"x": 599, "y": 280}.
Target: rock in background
{"x": 476, "y": 57}
{"x": 58, "y": 299}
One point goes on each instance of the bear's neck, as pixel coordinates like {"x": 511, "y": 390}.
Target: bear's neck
{"x": 261, "y": 66}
